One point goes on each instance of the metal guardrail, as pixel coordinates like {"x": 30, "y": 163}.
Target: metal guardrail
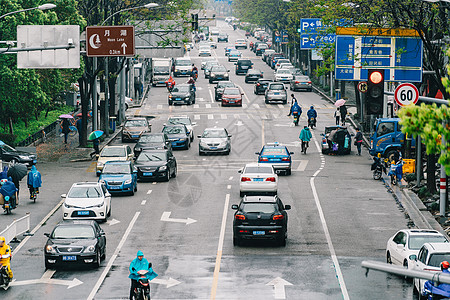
{"x": 17, "y": 227}
{"x": 39, "y": 135}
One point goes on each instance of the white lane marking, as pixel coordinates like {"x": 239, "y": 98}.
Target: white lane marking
{"x": 196, "y": 106}
{"x": 278, "y": 285}
{"x": 112, "y": 222}
{"x": 207, "y": 105}
{"x": 154, "y": 182}
{"x": 37, "y": 227}
{"x": 47, "y": 279}
{"x": 229, "y": 187}
{"x": 196, "y": 117}
{"x": 223, "y": 116}
{"x": 210, "y": 94}
{"x": 167, "y": 282}
{"x": 327, "y": 233}
{"x": 165, "y": 217}
{"x": 143, "y": 202}
{"x": 245, "y": 95}
{"x": 210, "y": 117}
{"x": 280, "y": 105}
{"x": 149, "y": 192}
{"x": 231, "y": 178}
{"x": 244, "y": 105}
{"x": 263, "y": 142}
{"x": 113, "y": 258}
{"x": 302, "y": 165}
{"x": 220, "y": 247}
{"x": 159, "y": 106}
{"x": 256, "y": 105}
{"x": 237, "y": 116}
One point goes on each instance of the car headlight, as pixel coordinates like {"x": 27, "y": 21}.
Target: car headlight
{"x": 222, "y": 144}
{"x": 67, "y": 205}
{"x": 177, "y": 70}
{"x": 100, "y": 205}
{"x": 225, "y": 75}
{"x": 50, "y": 249}
{"x": 213, "y": 75}
{"x": 186, "y": 98}
{"x": 163, "y": 168}
{"x": 23, "y": 157}
{"x": 89, "y": 249}
{"x": 128, "y": 181}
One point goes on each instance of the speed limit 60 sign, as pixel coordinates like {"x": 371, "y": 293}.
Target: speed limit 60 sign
{"x": 406, "y": 94}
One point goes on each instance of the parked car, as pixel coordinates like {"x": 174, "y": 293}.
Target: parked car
{"x": 266, "y": 54}
{"x": 214, "y": 140}
{"x": 217, "y": 73}
{"x": 152, "y": 141}
{"x": 258, "y": 178}
{"x": 283, "y": 75}
{"x": 234, "y": 55}
{"x": 260, "y": 218}
{"x": 156, "y": 164}
{"x": 119, "y": 177}
{"x": 240, "y": 43}
{"x": 10, "y": 154}
{"x": 71, "y": 242}
{"x": 178, "y": 135}
{"x": 134, "y": 128}
{"x": 208, "y": 67}
{"x": 109, "y": 153}
{"x": 407, "y": 242}
{"x": 243, "y": 65}
{"x": 253, "y": 75}
{"x": 182, "y": 94}
{"x": 336, "y": 139}
{"x": 220, "y": 86}
{"x": 183, "y": 120}
{"x": 301, "y": 82}
{"x": 276, "y": 155}
{"x": 261, "y": 86}
{"x": 276, "y": 92}
{"x": 232, "y": 97}
{"x": 223, "y": 37}
{"x": 87, "y": 200}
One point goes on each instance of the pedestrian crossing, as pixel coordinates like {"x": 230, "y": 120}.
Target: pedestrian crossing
{"x": 244, "y": 106}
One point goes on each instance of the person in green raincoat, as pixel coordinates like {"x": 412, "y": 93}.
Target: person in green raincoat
{"x": 138, "y": 264}
{"x": 305, "y": 136}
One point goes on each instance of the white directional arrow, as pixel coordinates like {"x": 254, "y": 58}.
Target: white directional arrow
{"x": 278, "y": 285}
{"x": 166, "y": 217}
{"x": 112, "y": 222}
{"x": 168, "y": 282}
{"x": 282, "y": 125}
{"x": 239, "y": 123}
{"x": 124, "y": 47}
{"x": 47, "y": 278}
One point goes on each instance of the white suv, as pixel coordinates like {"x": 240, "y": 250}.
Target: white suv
{"x": 429, "y": 259}
{"x": 87, "y": 200}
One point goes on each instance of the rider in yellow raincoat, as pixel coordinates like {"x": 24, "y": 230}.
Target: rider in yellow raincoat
{"x": 5, "y": 255}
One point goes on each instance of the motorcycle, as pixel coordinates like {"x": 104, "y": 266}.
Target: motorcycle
{"x": 4, "y": 278}
{"x": 296, "y": 118}
{"x": 312, "y": 122}
{"x": 378, "y": 167}
{"x": 170, "y": 85}
{"x": 7, "y": 205}
{"x": 142, "y": 291}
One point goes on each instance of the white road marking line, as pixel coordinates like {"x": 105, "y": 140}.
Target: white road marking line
{"x": 211, "y": 94}
{"x": 263, "y": 142}
{"x": 237, "y": 116}
{"x": 302, "y": 165}
{"x": 207, "y": 105}
{"x": 196, "y": 106}
{"x": 223, "y": 116}
{"x": 210, "y": 117}
{"x": 196, "y": 117}
{"x": 154, "y": 182}
{"x": 229, "y": 187}
{"x": 280, "y": 105}
{"x": 231, "y": 178}
{"x": 159, "y": 106}
{"x": 244, "y": 105}
{"x": 143, "y": 202}
{"x": 256, "y": 105}
{"x": 149, "y": 192}
{"x": 220, "y": 247}
{"x": 113, "y": 258}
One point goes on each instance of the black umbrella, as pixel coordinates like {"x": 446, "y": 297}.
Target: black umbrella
{"x": 17, "y": 171}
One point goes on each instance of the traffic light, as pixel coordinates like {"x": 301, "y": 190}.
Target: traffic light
{"x": 194, "y": 22}
{"x": 375, "y": 92}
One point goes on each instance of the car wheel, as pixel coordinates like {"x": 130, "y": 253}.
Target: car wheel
{"x": 174, "y": 173}
{"x": 99, "y": 260}
{"x": 135, "y": 188}
{"x": 288, "y": 172}
{"x": 228, "y": 152}
{"x": 282, "y": 241}
{"x": 132, "y": 192}
{"x": 388, "y": 258}
{"x": 236, "y": 241}
{"x": 109, "y": 211}
{"x": 284, "y": 101}
{"x": 200, "y": 153}
{"x": 126, "y": 106}
{"x": 310, "y": 90}
{"x": 266, "y": 101}
{"x": 104, "y": 254}
{"x": 167, "y": 176}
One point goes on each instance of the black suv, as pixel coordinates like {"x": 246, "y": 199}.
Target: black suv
{"x": 243, "y": 65}
{"x": 260, "y": 217}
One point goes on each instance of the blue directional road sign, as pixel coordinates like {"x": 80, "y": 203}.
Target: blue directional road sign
{"x": 310, "y": 25}
{"x": 401, "y": 57}
{"x": 311, "y": 41}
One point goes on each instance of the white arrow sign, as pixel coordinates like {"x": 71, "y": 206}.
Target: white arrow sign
{"x": 166, "y": 217}
{"x": 278, "y": 285}
{"x": 46, "y": 278}
{"x": 112, "y": 222}
{"x": 239, "y": 123}
{"x": 168, "y": 282}
{"x": 124, "y": 47}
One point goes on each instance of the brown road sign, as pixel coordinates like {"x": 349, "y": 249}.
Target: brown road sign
{"x": 110, "y": 41}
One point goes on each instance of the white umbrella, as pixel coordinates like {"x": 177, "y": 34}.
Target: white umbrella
{"x": 340, "y": 102}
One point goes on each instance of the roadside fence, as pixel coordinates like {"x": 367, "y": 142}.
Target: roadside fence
{"x": 16, "y": 228}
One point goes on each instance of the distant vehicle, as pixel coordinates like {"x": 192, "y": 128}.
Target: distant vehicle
{"x": 204, "y": 51}
{"x": 214, "y": 31}
{"x": 240, "y": 43}
{"x": 284, "y": 75}
{"x": 87, "y": 200}
{"x": 260, "y": 218}
{"x": 234, "y": 55}
{"x": 207, "y": 59}
{"x": 218, "y": 73}
{"x": 212, "y": 44}
{"x": 221, "y": 85}
{"x": 301, "y": 82}
{"x": 182, "y": 94}
{"x": 281, "y": 61}
{"x": 182, "y": 67}
{"x": 276, "y": 92}
{"x": 214, "y": 140}
{"x": 134, "y": 128}
{"x": 119, "y": 177}
{"x": 277, "y": 156}
{"x": 253, "y": 75}
{"x": 266, "y": 54}
{"x": 178, "y": 135}
{"x": 258, "y": 178}
{"x": 109, "y": 153}
{"x": 208, "y": 67}
{"x": 156, "y": 164}
{"x": 232, "y": 97}
{"x": 183, "y": 120}
{"x": 260, "y": 48}
{"x": 160, "y": 68}
{"x": 152, "y": 141}
{"x": 261, "y": 86}
{"x": 243, "y": 65}
{"x": 228, "y": 49}
{"x": 71, "y": 242}
{"x": 223, "y": 37}
{"x": 10, "y": 154}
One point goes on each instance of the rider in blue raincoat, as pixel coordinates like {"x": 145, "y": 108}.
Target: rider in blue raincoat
{"x": 295, "y": 109}
{"x": 138, "y": 264}
{"x": 34, "y": 180}
{"x": 9, "y": 189}
{"x": 443, "y": 289}
{"x": 312, "y": 113}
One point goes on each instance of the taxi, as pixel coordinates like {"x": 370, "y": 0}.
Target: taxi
{"x": 277, "y": 155}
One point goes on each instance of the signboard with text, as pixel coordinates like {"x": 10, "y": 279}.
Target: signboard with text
{"x": 110, "y": 41}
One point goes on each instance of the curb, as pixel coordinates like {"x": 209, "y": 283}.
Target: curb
{"x": 111, "y": 138}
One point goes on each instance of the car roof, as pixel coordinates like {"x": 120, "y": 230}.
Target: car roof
{"x": 136, "y": 119}
{"x": 118, "y": 162}
{"x": 174, "y": 125}
{"x": 179, "y": 117}
{"x": 421, "y": 232}
{"x": 76, "y": 222}
{"x": 257, "y": 165}
{"x": 115, "y": 146}
{"x": 86, "y": 184}
{"x": 260, "y": 199}
{"x": 437, "y": 247}
{"x": 214, "y": 128}
{"x": 154, "y": 150}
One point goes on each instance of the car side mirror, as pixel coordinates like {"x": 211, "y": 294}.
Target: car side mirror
{"x": 47, "y": 234}
{"x": 230, "y": 135}
{"x": 257, "y": 153}
{"x": 102, "y": 233}
{"x": 413, "y": 257}
{"x": 291, "y": 152}
{"x": 287, "y": 207}
{"x": 194, "y": 123}
{"x": 240, "y": 171}
{"x": 234, "y": 206}
{"x": 63, "y": 195}
{"x": 228, "y": 70}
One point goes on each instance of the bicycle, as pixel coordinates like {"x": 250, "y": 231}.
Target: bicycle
{"x": 73, "y": 129}
{"x": 305, "y": 145}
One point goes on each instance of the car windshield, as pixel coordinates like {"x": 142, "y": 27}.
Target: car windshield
{"x": 233, "y": 52}
{"x": 183, "y": 62}
{"x": 218, "y": 69}
{"x": 240, "y": 41}
{"x": 245, "y": 62}
{"x": 277, "y": 87}
{"x": 161, "y": 70}
{"x": 210, "y": 64}
{"x": 151, "y": 139}
{"x": 223, "y": 84}
{"x": 231, "y": 91}
{"x": 84, "y": 192}
{"x": 263, "y": 46}
{"x": 302, "y": 78}
{"x": 181, "y": 89}
{"x": 214, "y": 134}
{"x": 135, "y": 123}
{"x": 274, "y": 151}
{"x": 7, "y": 148}
{"x": 417, "y": 241}
{"x": 222, "y": 34}
{"x": 116, "y": 169}
{"x": 73, "y": 232}
{"x": 151, "y": 156}
{"x": 437, "y": 258}
{"x": 283, "y": 71}
{"x": 265, "y": 208}
{"x": 265, "y": 170}
{"x": 173, "y": 130}
{"x": 183, "y": 121}
{"x": 282, "y": 61}
{"x": 113, "y": 152}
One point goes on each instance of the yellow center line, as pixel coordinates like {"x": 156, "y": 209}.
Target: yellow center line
{"x": 263, "y": 142}
{"x": 91, "y": 168}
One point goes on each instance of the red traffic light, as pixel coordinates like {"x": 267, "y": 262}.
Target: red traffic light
{"x": 376, "y": 77}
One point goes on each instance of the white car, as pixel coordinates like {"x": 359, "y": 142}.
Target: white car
{"x": 183, "y": 120}
{"x": 240, "y": 43}
{"x": 214, "y": 31}
{"x": 407, "y": 242}
{"x": 258, "y": 178}
{"x": 87, "y": 200}
{"x": 204, "y": 51}
{"x": 429, "y": 259}
{"x": 206, "y": 59}
{"x": 212, "y": 44}
{"x": 287, "y": 66}
{"x": 283, "y": 75}
{"x": 281, "y": 61}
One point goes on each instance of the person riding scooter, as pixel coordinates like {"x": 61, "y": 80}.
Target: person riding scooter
{"x": 8, "y": 189}
{"x": 170, "y": 83}
{"x": 296, "y": 111}
{"x": 312, "y": 116}
{"x": 139, "y": 264}
{"x": 192, "y": 81}
{"x": 5, "y": 256}
{"x": 194, "y": 72}
{"x": 438, "y": 291}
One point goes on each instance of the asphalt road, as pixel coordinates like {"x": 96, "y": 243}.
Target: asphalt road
{"x": 340, "y": 216}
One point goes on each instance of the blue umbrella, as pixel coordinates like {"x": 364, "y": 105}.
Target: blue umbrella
{"x": 95, "y": 135}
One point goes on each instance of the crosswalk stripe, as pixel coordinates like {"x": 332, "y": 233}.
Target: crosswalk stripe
{"x": 197, "y": 117}
{"x": 210, "y": 117}
{"x": 208, "y": 105}
{"x": 196, "y": 106}
{"x": 255, "y": 105}
{"x": 244, "y": 105}
{"x": 159, "y": 106}
{"x": 237, "y": 116}
{"x": 280, "y": 105}
{"x": 223, "y": 116}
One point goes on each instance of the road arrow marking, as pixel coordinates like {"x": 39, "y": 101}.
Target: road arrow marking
{"x": 124, "y": 47}
{"x": 47, "y": 278}
{"x": 149, "y": 192}
{"x": 168, "y": 282}
{"x": 166, "y": 217}
{"x": 278, "y": 285}
{"x": 112, "y": 222}
{"x": 239, "y": 123}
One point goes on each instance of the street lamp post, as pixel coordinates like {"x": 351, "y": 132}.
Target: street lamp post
{"x": 40, "y": 7}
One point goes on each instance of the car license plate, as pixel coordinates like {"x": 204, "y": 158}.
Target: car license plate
{"x": 34, "y": 161}
{"x": 213, "y": 148}
{"x": 257, "y": 179}
{"x": 231, "y": 101}
{"x": 147, "y": 173}
{"x": 274, "y": 159}
{"x": 178, "y": 99}
{"x": 276, "y": 93}
{"x": 259, "y": 232}
{"x": 83, "y": 213}
{"x": 183, "y": 73}
{"x": 69, "y": 257}
{"x": 114, "y": 187}
{"x": 135, "y": 136}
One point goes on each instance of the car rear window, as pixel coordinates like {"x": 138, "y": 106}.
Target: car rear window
{"x": 116, "y": 169}
{"x": 232, "y": 91}
{"x": 277, "y": 87}
{"x": 417, "y": 241}
{"x": 181, "y": 89}
{"x": 259, "y": 170}
{"x": 265, "y": 208}
{"x": 245, "y": 62}
{"x": 437, "y": 258}
{"x": 152, "y": 139}
{"x": 274, "y": 151}
{"x": 135, "y": 123}
{"x": 113, "y": 152}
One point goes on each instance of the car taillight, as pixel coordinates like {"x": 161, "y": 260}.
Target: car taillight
{"x": 286, "y": 159}
{"x": 278, "y": 217}
{"x": 245, "y": 179}
{"x": 270, "y": 179}
{"x": 170, "y": 96}
{"x": 297, "y": 82}
{"x": 264, "y": 159}
{"x": 239, "y": 217}
{"x": 309, "y": 82}
{"x": 258, "y": 84}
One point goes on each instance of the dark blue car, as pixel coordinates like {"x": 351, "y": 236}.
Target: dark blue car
{"x": 119, "y": 177}
{"x": 178, "y": 135}
{"x": 277, "y": 156}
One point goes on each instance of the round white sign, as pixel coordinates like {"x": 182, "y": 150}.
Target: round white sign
{"x": 406, "y": 94}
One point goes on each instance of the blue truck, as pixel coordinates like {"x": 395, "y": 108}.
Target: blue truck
{"x": 388, "y": 137}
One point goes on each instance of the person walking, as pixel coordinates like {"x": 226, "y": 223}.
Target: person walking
{"x": 337, "y": 115}
{"x": 343, "y": 110}
{"x": 65, "y": 129}
{"x": 358, "y": 140}
{"x": 79, "y": 125}
{"x": 96, "y": 144}
{"x": 305, "y": 136}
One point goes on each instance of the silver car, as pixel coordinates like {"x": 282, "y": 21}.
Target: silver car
{"x": 214, "y": 140}
{"x": 276, "y": 92}
{"x": 301, "y": 82}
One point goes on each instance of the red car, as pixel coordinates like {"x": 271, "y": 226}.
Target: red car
{"x": 232, "y": 97}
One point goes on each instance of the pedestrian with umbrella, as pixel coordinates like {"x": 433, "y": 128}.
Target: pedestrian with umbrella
{"x": 16, "y": 172}
{"x": 94, "y": 137}
{"x": 65, "y": 126}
